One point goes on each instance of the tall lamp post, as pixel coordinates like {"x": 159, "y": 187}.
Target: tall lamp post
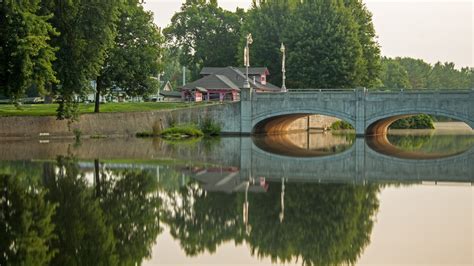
{"x": 247, "y": 60}
{"x": 283, "y": 70}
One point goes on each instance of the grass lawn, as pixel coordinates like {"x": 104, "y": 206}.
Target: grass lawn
{"x": 50, "y": 109}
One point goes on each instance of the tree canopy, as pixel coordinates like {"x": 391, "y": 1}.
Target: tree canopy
{"x": 87, "y": 31}
{"x": 329, "y": 43}
{"x": 206, "y": 34}
{"x": 134, "y": 61}
{"x": 26, "y": 53}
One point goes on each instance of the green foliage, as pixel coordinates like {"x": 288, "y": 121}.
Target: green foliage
{"x": 341, "y": 125}
{"x": 414, "y": 122}
{"x": 394, "y": 75}
{"x": 87, "y": 31}
{"x": 26, "y": 227}
{"x": 181, "y": 132}
{"x": 206, "y": 34}
{"x": 26, "y": 53}
{"x": 329, "y": 43}
{"x": 135, "y": 57}
{"x": 83, "y": 235}
{"x": 410, "y": 73}
{"x": 173, "y": 69}
{"x": 323, "y": 224}
{"x": 210, "y": 128}
{"x": 130, "y": 204}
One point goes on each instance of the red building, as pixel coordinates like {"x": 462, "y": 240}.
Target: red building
{"x": 224, "y": 83}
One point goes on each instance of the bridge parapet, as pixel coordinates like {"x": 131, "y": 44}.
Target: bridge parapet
{"x": 360, "y": 107}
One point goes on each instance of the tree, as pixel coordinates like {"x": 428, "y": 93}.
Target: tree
{"x": 267, "y": 21}
{"x": 135, "y": 58}
{"x": 329, "y": 43}
{"x": 446, "y": 76}
{"x": 417, "y": 70}
{"x": 86, "y": 32}
{"x": 394, "y": 75}
{"x": 207, "y": 34}
{"x": 26, "y": 53}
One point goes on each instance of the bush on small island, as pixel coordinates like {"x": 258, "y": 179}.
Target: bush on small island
{"x": 414, "y": 122}
{"x": 181, "y": 132}
{"x": 341, "y": 125}
{"x": 210, "y": 128}
{"x": 178, "y": 132}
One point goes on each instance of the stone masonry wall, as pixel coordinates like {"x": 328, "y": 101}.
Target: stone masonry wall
{"x": 118, "y": 124}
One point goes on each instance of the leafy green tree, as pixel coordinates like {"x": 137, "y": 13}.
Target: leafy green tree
{"x": 371, "y": 61}
{"x": 418, "y": 71}
{"x": 26, "y": 227}
{"x": 394, "y": 75}
{"x": 135, "y": 58}
{"x": 267, "y": 21}
{"x": 446, "y": 76}
{"x": 207, "y": 34}
{"x": 172, "y": 67}
{"x": 86, "y": 33}
{"x": 26, "y": 54}
{"x": 329, "y": 43}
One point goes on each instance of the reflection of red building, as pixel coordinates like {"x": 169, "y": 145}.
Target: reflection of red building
{"x": 223, "y": 84}
{"x": 225, "y": 179}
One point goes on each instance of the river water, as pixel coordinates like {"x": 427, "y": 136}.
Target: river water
{"x": 295, "y": 199}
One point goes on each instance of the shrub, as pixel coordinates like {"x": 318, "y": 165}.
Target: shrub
{"x": 181, "y": 132}
{"x": 210, "y": 128}
{"x": 414, "y": 122}
{"x": 341, "y": 125}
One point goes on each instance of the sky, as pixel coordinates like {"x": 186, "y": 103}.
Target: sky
{"x": 436, "y": 30}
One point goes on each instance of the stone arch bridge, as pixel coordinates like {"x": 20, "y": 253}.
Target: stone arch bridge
{"x": 370, "y": 112}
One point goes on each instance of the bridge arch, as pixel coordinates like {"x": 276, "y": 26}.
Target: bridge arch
{"x": 279, "y": 121}
{"x": 378, "y": 125}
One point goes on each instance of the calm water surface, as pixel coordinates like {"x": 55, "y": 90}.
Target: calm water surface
{"x": 295, "y": 199}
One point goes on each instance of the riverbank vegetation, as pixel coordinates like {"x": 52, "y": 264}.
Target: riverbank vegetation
{"x": 180, "y": 132}
{"x": 414, "y": 122}
{"x": 341, "y": 125}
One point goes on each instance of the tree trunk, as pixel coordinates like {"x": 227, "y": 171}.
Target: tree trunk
{"x": 97, "y": 99}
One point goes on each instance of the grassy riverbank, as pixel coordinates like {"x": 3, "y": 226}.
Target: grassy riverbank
{"x": 50, "y": 109}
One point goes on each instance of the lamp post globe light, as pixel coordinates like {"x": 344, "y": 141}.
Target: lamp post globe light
{"x": 247, "y": 60}
{"x": 283, "y": 70}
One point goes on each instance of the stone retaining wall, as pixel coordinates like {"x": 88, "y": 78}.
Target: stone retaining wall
{"x": 117, "y": 124}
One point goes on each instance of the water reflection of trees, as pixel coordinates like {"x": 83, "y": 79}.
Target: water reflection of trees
{"x": 323, "y": 223}
{"x": 26, "y": 229}
{"x": 64, "y": 220}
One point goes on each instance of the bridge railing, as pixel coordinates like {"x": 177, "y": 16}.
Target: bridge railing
{"x": 319, "y": 90}
{"x": 407, "y": 91}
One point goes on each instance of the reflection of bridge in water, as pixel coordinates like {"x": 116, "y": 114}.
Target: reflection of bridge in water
{"x": 358, "y": 164}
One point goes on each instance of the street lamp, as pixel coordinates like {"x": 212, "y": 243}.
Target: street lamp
{"x": 247, "y": 60}
{"x": 283, "y": 70}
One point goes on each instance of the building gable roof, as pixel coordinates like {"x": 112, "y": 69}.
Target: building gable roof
{"x": 230, "y": 78}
